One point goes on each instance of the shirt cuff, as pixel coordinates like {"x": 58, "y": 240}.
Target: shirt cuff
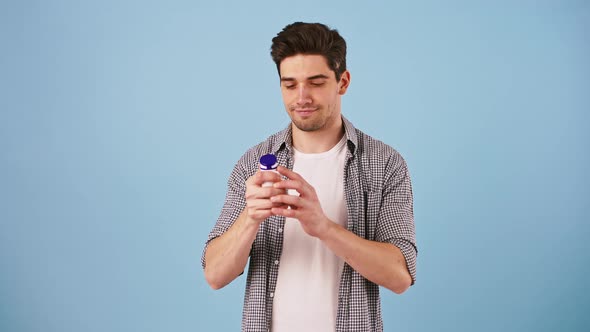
{"x": 409, "y": 251}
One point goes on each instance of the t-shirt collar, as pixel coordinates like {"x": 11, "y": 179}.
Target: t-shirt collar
{"x": 285, "y": 138}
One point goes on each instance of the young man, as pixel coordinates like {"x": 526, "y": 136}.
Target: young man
{"x": 336, "y": 226}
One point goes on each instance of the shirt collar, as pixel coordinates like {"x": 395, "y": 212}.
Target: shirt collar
{"x": 285, "y": 138}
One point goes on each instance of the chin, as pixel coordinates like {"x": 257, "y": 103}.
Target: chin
{"x": 307, "y": 126}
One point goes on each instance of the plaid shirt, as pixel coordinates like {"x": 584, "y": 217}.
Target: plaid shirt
{"x": 379, "y": 206}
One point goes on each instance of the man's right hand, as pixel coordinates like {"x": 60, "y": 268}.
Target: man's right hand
{"x": 258, "y": 204}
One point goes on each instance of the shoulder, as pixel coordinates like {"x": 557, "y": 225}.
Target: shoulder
{"x": 370, "y": 150}
{"x": 380, "y": 165}
{"x": 376, "y": 151}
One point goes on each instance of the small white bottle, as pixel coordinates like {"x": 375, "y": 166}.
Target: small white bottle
{"x": 268, "y": 162}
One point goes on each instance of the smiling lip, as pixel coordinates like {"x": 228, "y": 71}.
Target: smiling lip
{"x": 305, "y": 111}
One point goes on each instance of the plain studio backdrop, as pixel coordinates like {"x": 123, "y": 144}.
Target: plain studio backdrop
{"x": 121, "y": 121}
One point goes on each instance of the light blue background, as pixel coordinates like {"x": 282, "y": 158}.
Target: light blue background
{"x": 121, "y": 120}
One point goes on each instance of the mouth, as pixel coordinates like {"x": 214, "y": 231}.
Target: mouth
{"x": 304, "y": 111}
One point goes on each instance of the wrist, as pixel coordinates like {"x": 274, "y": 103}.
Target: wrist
{"x": 327, "y": 230}
{"x": 247, "y": 224}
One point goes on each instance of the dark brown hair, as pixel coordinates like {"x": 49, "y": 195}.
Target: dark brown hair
{"x": 310, "y": 38}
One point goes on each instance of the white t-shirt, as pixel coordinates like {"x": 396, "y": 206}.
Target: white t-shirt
{"x": 306, "y": 294}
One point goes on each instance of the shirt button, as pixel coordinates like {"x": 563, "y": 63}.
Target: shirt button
{"x": 272, "y": 294}
{"x": 280, "y": 230}
{"x": 276, "y": 262}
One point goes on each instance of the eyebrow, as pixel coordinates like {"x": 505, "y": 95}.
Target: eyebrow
{"x": 314, "y": 77}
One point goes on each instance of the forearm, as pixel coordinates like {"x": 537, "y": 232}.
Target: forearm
{"x": 227, "y": 255}
{"x": 381, "y": 263}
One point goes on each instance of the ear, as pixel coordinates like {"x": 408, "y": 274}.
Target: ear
{"x": 344, "y": 82}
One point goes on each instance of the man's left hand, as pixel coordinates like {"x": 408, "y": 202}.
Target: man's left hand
{"x": 306, "y": 207}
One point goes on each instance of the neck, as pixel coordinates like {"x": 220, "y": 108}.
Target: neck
{"x": 319, "y": 140}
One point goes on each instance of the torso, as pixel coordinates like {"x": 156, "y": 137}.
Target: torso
{"x": 306, "y": 295}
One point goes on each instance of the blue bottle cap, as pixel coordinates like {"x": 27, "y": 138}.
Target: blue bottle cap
{"x": 268, "y": 161}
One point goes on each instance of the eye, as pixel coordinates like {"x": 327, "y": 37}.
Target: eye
{"x": 317, "y": 83}
{"x": 289, "y": 85}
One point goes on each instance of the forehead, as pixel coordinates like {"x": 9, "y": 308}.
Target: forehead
{"x": 302, "y": 66}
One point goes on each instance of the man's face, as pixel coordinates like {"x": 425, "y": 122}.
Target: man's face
{"x": 310, "y": 91}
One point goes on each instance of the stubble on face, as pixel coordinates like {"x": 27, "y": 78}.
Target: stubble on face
{"x": 310, "y": 92}
{"x": 315, "y": 121}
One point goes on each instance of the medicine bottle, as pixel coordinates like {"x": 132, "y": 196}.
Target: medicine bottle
{"x": 268, "y": 162}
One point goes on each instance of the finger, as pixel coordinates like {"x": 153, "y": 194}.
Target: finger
{"x": 263, "y": 192}
{"x": 295, "y": 181}
{"x": 294, "y": 201}
{"x": 260, "y": 204}
{"x": 263, "y": 176}
{"x": 253, "y": 179}
{"x": 280, "y": 205}
{"x": 277, "y": 191}
{"x": 289, "y": 213}
{"x": 260, "y": 215}
{"x": 267, "y": 176}
{"x": 289, "y": 173}
{"x": 291, "y": 184}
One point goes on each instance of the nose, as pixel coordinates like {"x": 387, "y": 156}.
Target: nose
{"x": 304, "y": 96}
